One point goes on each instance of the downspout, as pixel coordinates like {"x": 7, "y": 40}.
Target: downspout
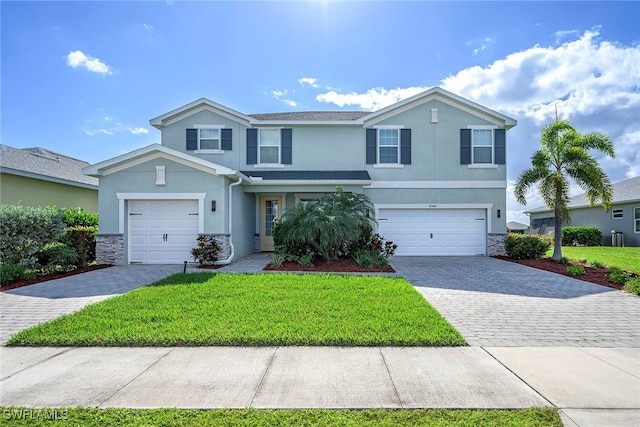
{"x": 230, "y": 258}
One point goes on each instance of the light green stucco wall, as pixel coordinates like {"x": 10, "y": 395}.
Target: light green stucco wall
{"x": 16, "y": 189}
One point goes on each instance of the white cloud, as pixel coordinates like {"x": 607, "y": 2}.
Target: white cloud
{"x": 278, "y": 94}
{"x": 148, "y": 27}
{"x": 290, "y": 102}
{"x": 77, "y": 59}
{"x": 99, "y": 132}
{"x": 138, "y": 131}
{"x": 373, "y": 99}
{"x": 483, "y": 42}
{"x": 310, "y": 81}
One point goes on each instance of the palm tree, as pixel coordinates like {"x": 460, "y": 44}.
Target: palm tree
{"x": 564, "y": 154}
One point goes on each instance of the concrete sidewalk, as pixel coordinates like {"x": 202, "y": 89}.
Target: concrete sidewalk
{"x": 590, "y": 386}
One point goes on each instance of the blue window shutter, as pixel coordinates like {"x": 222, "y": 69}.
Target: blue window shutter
{"x": 287, "y": 150}
{"x": 372, "y": 135}
{"x": 465, "y": 146}
{"x": 405, "y": 146}
{"x": 252, "y": 146}
{"x": 226, "y": 142}
{"x": 192, "y": 139}
{"x": 500, "y": 148}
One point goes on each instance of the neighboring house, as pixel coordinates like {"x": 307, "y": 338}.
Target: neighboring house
{"x": 624, "y": 215}
{"x": 516, "y": 227}
{"x": 40, "y": 177}
{"x": 433, "y": 166}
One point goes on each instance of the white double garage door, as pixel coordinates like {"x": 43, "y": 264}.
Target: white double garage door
{"x": 162, "y": 231}
{"x": 433, "y": 232}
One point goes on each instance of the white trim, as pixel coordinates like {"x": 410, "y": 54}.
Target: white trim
{"x": 197, "y": 106}
{"x": 473, "y": 146}
{"x": 208, "y": 151}
{"x": 482, "y": 165}
{"x": 434, "y": 115}
{"x": 279, "y": 145}
{"x": 286, "y": 123}
{"x": 161, "y": 175}
{"x": 209, "y": 126}
{"x": 388, "y": 127}
{"x": 438, "y": 184}
{"x": 635, "y": 228}
{"x": 309, "y": 182}
{"x": 122, "y": 197}
{"x": 483, "y": 127}
{"x": 388, "y": 166}
{"x": 619, "y": 211}
{"x": 269, "y": 166}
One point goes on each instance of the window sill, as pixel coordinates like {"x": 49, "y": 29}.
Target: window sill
{"x": 388, "y": 166}
{"x": 483, "y": 166}
{"x": 268, "y": 166}
{"x": 208, "y": 152}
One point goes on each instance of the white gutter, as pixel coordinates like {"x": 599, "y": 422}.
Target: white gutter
{"x": 231, "y": 255}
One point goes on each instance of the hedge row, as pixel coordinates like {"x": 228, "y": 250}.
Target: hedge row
{"x": 581, "y": 236}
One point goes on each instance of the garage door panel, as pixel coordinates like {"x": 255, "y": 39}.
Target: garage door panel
{"x": 435, "y": 231}
{"x": 162, "y": 231}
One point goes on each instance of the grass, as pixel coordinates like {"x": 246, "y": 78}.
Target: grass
{"x": 200, "y": 309}
{"x": 627, "y": 258}
{"x": 540, "y": 417}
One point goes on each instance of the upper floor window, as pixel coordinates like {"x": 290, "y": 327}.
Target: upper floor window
{"x": 617, "y": 213}
{"x": 482, "y": 146}
{"x": 269, "y": 146}
{"x": 388, "y": 146}
{"x": 208, "y": 139}
{"x": 482, "y": 141}
{"x": 636, "y": 219}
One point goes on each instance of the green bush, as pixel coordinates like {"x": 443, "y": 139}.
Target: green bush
{"x": 526, "y": 246}
{"x": 25, "y": 230}
{"x": 58, "y": 255}
{"x": 206, "y": 253}
{"x": 11, "y": 272}
{"x": 79, "y": 217}
{"x": 596, "y": 264}
{"x": 575, "y": 270}
{"x": 370, "y": 258}
{"x": 633, "y": 286}
{"x": 82, "y": 239}
{"x": 581, "y": 236}
{"x": 618, "y": 275}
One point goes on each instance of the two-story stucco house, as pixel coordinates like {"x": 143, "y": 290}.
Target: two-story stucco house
{"x": 433, "y": 165}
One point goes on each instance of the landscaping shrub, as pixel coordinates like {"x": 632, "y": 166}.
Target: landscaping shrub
{"x": 633, "y": 286}
{"x": 526, "y": 246}
{"x": 581, "y": 236}
{"x": 57, "y": 256}
{"x": 370, "y": 258}
{"x": 11, "y": 272}
{"x": 82, "y": 239}
{"x": 596, "y": 264}
{"x": 79, "y": 217}
{"x": 618, "y": 275}
{"x": 575, "y": 270}
{"x": 25, "y": 230}
{"x": 206, "y": 253}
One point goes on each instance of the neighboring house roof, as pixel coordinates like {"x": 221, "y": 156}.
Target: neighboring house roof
{"x": 627, "y": 191}
{"x": 154, "y": 151}
{"x": 514, "y": 225}
{"x": 46, "y": 165}
{"x": 310, "y": 175}
{"x": 359, "y": 118}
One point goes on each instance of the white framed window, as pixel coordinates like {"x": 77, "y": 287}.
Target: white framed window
{"x": 636, "y": 220}
{"x": 209, "y": 139}
{"x": 617, "y": 213}
{"x": 269, "y": 146}
{"x": 482, "y": 146}
{"x": 388, "y": 146}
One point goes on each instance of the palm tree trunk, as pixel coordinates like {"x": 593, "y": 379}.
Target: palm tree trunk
{"x": 557, "y": 231}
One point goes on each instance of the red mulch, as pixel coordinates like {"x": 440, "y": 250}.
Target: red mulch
{"x": 25, "y": 282}
{"x": 599, "y": 276}
{"x": 335, "y": 266}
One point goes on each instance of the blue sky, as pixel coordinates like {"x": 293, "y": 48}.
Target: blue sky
{"x": 84, "y": 78}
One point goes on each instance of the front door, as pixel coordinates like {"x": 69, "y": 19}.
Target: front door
{"x": 270, "y": 211}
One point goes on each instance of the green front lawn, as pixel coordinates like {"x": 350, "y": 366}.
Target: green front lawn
{"x": 539, "y": 417}
{"x": 627, "y": 258}
{"x": 201, "y": 309}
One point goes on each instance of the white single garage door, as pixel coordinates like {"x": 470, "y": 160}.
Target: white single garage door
{"x": 433, "y": 232}
{"x": 163, "y": 231}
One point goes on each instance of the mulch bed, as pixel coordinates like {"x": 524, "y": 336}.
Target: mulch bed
{"x": 598, "y": 276}
{"x": 25, "y": 282}
{"x": 335, "y": 266}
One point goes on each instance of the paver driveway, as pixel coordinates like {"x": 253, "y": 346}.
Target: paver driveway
{"x": 499, "y": 303}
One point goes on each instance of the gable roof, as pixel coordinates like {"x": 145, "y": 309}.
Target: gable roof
{"x": 361, "y": 118}
{"x": 626, "y": 191}
{"x": 154, "y": 151}
{"x": 47, "y": 165}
